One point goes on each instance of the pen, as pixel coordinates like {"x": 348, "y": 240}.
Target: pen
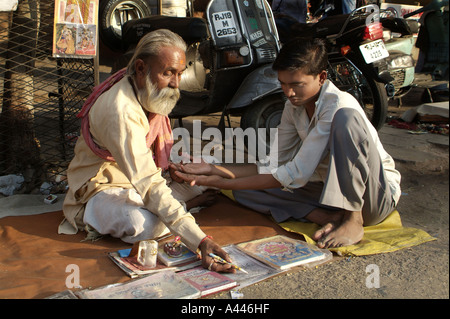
{"x": 223, "y": 261}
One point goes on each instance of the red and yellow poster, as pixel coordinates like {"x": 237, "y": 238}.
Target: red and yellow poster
{"x": 75, "y": 29}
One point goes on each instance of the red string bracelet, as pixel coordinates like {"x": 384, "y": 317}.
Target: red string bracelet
{"x": 210, "y": 237}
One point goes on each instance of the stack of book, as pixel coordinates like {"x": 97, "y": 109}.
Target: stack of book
{"x": 131, "y": 266}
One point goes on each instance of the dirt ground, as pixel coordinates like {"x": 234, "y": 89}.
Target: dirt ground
{"x": 419, "y": 272}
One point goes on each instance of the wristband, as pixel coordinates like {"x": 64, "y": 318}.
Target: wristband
{"x": 210, "y": 237}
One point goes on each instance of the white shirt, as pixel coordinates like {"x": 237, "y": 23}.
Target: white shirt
{"x": 302, "y": 152}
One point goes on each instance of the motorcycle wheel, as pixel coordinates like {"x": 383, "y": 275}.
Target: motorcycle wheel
{"x": 370, "y": 94}
{"x": 114, "y": 13}
{"x": 264, "y": 113}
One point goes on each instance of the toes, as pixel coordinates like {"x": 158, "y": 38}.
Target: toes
{"x": 334, "y": 242}
{"x": 320, "y": 244}
{"x": 324, "y": 231}
{"x": 327, "y": 242}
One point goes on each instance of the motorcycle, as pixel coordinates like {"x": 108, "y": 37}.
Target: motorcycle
{"x": 398, "y": 37}
{"x": 356, "y": 52}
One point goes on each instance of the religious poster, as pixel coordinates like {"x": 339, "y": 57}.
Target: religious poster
{"x": 75, "y": 29}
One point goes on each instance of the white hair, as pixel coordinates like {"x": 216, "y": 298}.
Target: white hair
{"x": 150, "y": 45}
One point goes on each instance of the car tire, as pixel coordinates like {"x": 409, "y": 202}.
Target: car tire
{"x": 111, "y": 20}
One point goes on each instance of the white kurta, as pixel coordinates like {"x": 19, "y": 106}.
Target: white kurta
{"x": 118, "y": 123}
{"x": 302, "y": 153}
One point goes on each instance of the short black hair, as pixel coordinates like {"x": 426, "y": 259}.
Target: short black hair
{"x": 310, "y": 55}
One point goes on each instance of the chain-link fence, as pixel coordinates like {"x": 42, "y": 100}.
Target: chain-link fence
{"x": 39, "y": 99}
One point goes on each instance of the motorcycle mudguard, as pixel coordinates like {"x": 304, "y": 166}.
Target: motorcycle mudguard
{"x": 404, "y": 44}
{"x": 258, "y": 83}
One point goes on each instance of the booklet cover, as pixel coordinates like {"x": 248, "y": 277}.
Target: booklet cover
{"x": 282, "y": 252}
{"x": 208, "y": 282}
{"x": 75, "y": 29}
{"x": 162, "y": 285}
{"x": 256, "y": 270}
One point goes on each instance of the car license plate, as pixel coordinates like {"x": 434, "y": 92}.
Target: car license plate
{"x": 374, "y": 51}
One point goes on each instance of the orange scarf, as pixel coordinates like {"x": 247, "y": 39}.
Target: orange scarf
{"x": 160, "y": 134}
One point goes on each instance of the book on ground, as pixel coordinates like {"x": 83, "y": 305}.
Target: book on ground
{"x": 66, "y": 294}
{"x": 185, "y": 256}
{"x": 208, "y": 282}
{"x": 282, "y": 252}
{"x": 162, "y": 285}
{"x": 257, "y": 271}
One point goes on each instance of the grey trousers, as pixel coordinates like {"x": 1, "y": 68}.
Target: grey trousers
{"x": 355, "y": 181}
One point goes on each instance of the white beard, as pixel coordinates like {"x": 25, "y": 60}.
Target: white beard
{"x": 158, "y": 101}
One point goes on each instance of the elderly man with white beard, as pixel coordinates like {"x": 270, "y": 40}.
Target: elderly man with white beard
{"x": 117, "y": 183}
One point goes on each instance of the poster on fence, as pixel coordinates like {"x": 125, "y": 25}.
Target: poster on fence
{"x": 75, "y": 28}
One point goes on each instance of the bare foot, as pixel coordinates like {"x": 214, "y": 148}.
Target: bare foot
{"x": 348, "y": 232}
{"x": 323, "y": 216}
{"x": 207, "y": 198}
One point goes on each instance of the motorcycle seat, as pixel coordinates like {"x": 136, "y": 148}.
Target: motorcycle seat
{"x": 398, "y": 25}
{"x": 330, "y": 25}
{"x": 190, "y": 29}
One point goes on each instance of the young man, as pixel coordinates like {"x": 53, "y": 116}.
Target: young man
{"x": 115, "y": 180}
{"x": 332, "y": 169}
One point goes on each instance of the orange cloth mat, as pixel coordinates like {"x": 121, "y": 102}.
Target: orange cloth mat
{"x": 34, "y": 258}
